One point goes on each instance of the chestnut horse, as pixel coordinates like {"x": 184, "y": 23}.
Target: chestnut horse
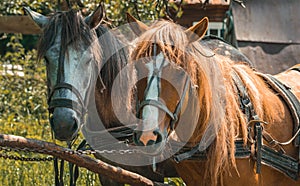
{"x": 207, "y": 103}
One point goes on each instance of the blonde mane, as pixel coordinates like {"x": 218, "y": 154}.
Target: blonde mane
{"x": 218, "y": 98}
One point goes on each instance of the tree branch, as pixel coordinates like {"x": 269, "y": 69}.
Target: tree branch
{"x": 94, "y": 165}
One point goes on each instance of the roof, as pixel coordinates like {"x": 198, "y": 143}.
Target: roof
{"x": 194, "y": 11}
{"x": 268, "y": 33}
{"x": 271, "y": 58}
{"x": 268, "y": 21}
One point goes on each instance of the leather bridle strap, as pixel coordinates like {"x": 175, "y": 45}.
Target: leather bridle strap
{"x": 79, "y": 107}
{"x": 62, "y": 102}
{"x": 179, "y": 105}
{"x": 163, "y": 107}
{"x": 61, "y": 68}
{"x": 157, "y": 104}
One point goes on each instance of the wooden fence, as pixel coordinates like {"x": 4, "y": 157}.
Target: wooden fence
{"x": 18, "y": 24}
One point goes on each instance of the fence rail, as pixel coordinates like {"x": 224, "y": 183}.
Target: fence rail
{"x": 94, "y": 165}
{"x": 18, "y": 24}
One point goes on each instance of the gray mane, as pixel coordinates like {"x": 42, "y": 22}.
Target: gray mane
{"x": 114, "y": 56}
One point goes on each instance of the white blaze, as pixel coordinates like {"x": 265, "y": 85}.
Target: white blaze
{"x": 150, "y": 113}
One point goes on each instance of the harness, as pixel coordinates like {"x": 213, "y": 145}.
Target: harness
{"x": 261, "y": 153}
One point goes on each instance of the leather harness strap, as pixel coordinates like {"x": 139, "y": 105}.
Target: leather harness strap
{"x": 290, "y": 99}
{"x": 157, "y": 103}
{"x": 80, "y": 107}
{"x": 262, "y": 154}
{"x": 248, "y": 109}
{"x": 162, "y": 106}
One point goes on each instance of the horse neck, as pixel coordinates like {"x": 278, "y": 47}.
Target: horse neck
{"x": 266, "y": 105}
{"x": 114, "y": 56}
{"x": 114, "y": 59}
{"x": 104, "y": 106}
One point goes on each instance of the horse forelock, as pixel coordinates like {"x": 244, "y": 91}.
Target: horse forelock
{"x": 170, "y": 39}
{"x": 73, "y": 32}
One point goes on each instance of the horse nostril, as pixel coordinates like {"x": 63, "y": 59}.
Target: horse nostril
{"x": 152, "y": 142}
{"x": 75, "y": 124}
{"x": 142, "y": 138}
{"x": 159, "y": 136}
{"x": 136, "y": 138}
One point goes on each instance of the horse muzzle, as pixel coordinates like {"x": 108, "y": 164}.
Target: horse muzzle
{"x": 65, "y": 123}
{"x": 152, "y": 142}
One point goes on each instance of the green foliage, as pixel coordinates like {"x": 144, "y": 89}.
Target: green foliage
{"x": 21, "y": 103}
{"x": 15, "y": 7}
{"x": 23, "y": 112}
{"x": 141, "y": 9}
{"x": 174, "y": 182}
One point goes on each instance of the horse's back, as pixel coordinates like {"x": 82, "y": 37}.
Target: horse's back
{"x": 291, "y": 79}
{"x": 222, "y": 48}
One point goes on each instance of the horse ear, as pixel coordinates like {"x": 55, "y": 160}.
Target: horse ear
{"x": 136, "y": 26}
{"x": 38, "y": 18}
{"x": 96, "y": 17}
{"x": 197, "y": 31}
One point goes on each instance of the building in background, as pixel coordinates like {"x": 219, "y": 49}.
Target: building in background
{"x": 195, "y": 10}
{"x": 267, "y": 32}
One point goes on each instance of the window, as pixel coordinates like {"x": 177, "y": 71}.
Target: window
{"x": 215, "y": 28}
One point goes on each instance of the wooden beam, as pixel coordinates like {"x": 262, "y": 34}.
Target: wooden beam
{"x": 195, "y": 12}
{"x": 94, "y": 165}
{"x": 18, "y": 24}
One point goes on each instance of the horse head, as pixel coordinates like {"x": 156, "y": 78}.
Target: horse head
{"x": 70, "y": 47}
{"x": 166, "y": 94}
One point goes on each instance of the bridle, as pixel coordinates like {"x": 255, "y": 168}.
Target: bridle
{"x": 159, "y": 104}
{"x": 80, "y": 107}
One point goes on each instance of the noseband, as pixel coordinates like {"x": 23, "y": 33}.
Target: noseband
{"x": 80, "y": 107}
{"x": 159, "y": 104}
